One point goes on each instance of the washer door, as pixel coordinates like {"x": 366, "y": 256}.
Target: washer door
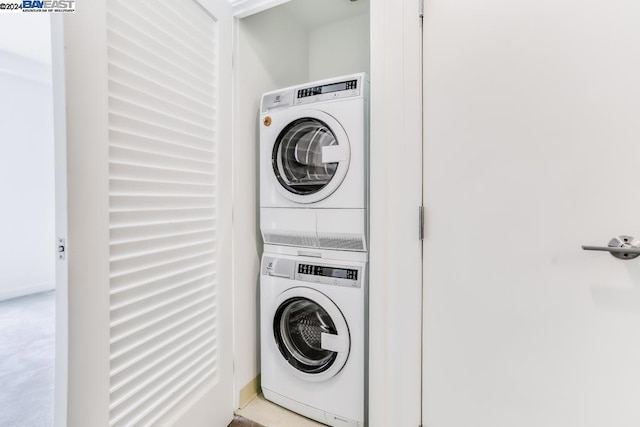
{"x": 310, "y": 157}
{"x": 311, "y": 334}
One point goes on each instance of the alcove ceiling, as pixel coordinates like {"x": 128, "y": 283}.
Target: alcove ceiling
{"x": 310, "y": 12}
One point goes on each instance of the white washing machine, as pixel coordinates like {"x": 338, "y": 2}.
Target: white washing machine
{"x": 314, "y": 164}
{"x": 313, "y": 337}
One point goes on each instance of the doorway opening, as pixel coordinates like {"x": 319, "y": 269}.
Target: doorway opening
{"x": 28, "y": 258}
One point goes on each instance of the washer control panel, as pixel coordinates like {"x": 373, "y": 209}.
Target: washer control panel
{"x": 329, "y": 274}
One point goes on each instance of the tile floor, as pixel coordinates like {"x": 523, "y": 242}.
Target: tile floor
{"x": 268, "y": 414}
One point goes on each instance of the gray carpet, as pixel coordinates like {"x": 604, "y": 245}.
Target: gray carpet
{"x": 27, "y": 354}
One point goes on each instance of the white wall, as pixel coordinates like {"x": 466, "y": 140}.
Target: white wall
{"x": 26, "y": 157}
{"x": 339, "y": 48}
{"x": 27, "y": 35}
{"x": 270, "y": 54}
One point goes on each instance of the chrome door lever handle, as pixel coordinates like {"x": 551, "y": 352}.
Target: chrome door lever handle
{"x": 612, "y": 250}
{"x": 622, "y": 247}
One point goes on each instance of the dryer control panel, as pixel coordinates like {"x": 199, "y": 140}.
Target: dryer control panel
{"x": 343, "y": 87}
{"x": 326, "y": 92}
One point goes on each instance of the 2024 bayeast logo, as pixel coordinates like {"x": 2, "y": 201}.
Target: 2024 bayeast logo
{"x": 40, "y": 6}
{"x": 48, "y": 5}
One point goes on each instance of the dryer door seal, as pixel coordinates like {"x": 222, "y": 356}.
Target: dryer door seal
{"x": 311, "y": 334}
{"x": 310, "y": 157}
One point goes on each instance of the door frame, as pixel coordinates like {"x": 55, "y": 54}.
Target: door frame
{"x": 60, "y": 168}
{"x": 395, "y": 263}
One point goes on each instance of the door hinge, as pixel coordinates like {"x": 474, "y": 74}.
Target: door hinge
{"x": 421, "y": 222}
{"x": 421, "y": 9}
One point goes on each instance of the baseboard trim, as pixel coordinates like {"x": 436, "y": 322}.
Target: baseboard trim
{"x": 249, "y": 391}
{"x": 27, "y": 290}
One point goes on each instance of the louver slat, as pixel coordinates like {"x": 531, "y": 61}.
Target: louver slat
{"x": 148, "y": 231}
{"x": 142, "y": 96}
{"x": 182, "y": 35}
{"x": 137, "y": 142}
{"x": 123, "y": 38}
{"x": 157, "y": 130}
{"x": 124, "y": 186}
{"x": 127, "y": 71}
{"x": 154, "y": 117}
{"x": 132, "y": 218}
{"x": 140, "y": 404}
{"x": 163, "y": 104}
{"x": 156, "y": 37}
{"x": 146, "y": 361}
{"x": 157, "y": 174}
{"x": 145, "y": 158}
{"x": 138, "y": 275}
{"x": 191, "y": 324}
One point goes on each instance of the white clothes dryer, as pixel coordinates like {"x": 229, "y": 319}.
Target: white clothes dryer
{"x": 313, "y": 337}
{"x": 314, "y": 164}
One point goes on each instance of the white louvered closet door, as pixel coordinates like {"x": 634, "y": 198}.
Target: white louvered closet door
{"x": 169, "y": 71}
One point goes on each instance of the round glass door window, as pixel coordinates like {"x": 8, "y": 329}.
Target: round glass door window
{"x": 297, "y": 156}
{"x": 297, "y": 326}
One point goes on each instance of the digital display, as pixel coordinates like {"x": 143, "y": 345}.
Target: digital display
{"x": 340, "y": 273}
{"x": 333, "y": 87}
{"x": 319, "y": 270}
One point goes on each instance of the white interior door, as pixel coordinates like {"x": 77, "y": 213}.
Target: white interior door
{"x": 149, "y": 142}
{"x": 531, "y": 144}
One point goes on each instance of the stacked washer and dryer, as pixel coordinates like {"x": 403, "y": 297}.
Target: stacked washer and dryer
{"x": 314, "y": 222}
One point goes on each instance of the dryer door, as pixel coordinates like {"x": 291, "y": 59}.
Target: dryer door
{"x": 310, "y": 156}
{"x": 311, "y": 333}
